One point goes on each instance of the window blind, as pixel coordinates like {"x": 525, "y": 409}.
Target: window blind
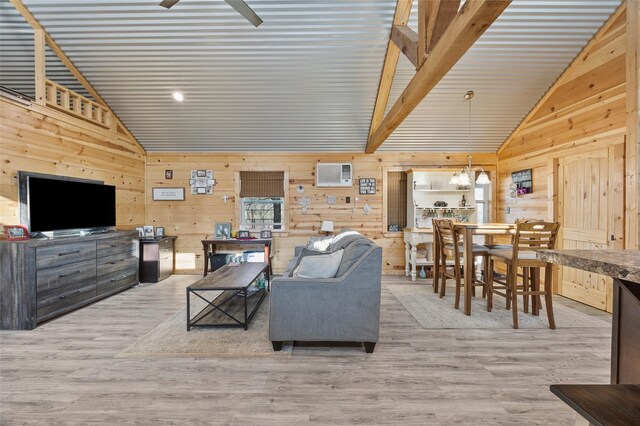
{"x": 397, "y": 199}
{"x": 261, "y": 184}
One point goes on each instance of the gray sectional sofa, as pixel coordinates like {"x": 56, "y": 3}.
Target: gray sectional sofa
{"x": 345, "y": 308}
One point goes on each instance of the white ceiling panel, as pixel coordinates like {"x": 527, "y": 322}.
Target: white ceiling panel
{"x": 305, "y": 80}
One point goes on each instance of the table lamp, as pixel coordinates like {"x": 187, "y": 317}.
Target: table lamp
{"x": 327, "y": 226}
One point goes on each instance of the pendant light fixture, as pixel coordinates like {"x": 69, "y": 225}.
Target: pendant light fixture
{"x": 465, "y": 177}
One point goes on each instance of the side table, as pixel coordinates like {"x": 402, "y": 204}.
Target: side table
{"x": 157, "y": 258}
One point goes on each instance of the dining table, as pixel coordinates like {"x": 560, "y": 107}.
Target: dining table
{"x": 468, "y": 231}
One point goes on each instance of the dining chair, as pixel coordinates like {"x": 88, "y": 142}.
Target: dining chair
{"x": 451, "y": 247}
{"x": 529, "y": 236}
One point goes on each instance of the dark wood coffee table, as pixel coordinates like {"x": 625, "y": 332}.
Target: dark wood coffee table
{"x": 237, "y": 303}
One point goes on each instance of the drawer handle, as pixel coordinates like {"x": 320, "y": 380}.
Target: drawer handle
{"x": 62, "y": 297}
{"x": 68, "y": 253}
{"x": 71, "y": 273}
{"x": 116, "y": 261}
{"x": 119, "y": 277}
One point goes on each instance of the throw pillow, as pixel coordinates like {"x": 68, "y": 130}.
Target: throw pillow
{"x": 304, "y": 253}
{"x": 319, "y": 243}
{"x": 322, "y": 266}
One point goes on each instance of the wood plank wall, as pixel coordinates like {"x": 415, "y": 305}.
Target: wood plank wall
{"x": 43, "y": 140}
{"x": 193, "y": 219}
{"x": 583, "y": 110}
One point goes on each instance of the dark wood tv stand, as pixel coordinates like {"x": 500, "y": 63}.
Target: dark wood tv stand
{"x": 44, "y": 278}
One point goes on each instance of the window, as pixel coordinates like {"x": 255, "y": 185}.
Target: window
{"x": 262, "y": 212}
{"x": 482, "y": 195}
{"x": 396, "y": 200}
{"x": 262, "y": 200}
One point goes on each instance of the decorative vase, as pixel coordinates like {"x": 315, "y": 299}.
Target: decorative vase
{"x": 423, "y": 274}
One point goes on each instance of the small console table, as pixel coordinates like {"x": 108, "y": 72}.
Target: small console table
{"x": 157, "y": 258}
{"x": 413, "y": 237}
{"x": 211, "y": 246}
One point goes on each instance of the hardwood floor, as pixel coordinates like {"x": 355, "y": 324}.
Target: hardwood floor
{"x": 65, "y": 372}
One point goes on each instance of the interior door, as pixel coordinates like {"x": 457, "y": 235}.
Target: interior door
{"x": 591, "y": 208}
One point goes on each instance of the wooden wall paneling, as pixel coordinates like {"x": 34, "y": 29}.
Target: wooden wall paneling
{"x": 632, "y": 66}
{"x": 194, "y": 218}
{"x": 614, "y": 21}
{"x": 43, "y": 140}
{"x": 583, "y": 111}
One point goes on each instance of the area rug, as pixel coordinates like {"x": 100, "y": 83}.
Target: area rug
{"x": 171, "y": 339}
{"x": 432, "y": 312}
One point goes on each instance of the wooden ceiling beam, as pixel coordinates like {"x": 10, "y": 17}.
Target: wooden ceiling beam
{"x": 434, "y": 16}
{"x": 400, "y": 17}
{"x": 468, "y": 25}
{"x": 407, "y": 41}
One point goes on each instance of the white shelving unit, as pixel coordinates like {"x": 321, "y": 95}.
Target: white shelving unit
{"x": 426, "y": 188}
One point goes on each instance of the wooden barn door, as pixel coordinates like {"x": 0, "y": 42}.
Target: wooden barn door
{"x": 591, "y": 213}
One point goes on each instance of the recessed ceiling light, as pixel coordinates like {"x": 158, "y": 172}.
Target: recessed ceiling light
{"x": 178, "y": 96}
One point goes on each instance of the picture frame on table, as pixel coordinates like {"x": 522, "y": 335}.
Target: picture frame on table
{"x": 148, "y": 231}
{"x": 243, "y": 235}
{"x": 16, "y": 232}
{"x": 160, "y": 231}
{"x": 222, "y": 230}
{"x": 265, "y": 233}
{"x": 140, "y": 230}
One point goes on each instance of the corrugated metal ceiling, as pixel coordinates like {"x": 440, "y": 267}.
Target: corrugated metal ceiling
{"x": 305, "y": 80}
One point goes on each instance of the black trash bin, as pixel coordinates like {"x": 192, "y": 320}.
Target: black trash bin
{"x": 218, "y": 260}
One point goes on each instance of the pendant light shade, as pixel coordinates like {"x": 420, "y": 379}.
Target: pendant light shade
{"x": 464, "y": 177}
{"x": 483, "y": 179}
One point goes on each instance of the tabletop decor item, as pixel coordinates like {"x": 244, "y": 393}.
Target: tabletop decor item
{"x": 243, "y": 235}
{"x": 159, "y": 231}
{"x": 148, "y": 231}
{"x": 16, "y": 232}
{"x": 265, "y": 233}
{"x": 223, "y": 230}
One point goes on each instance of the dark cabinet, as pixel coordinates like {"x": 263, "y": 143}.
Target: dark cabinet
{"x": 43, "y": 278}
{"x": 157, "y": 258}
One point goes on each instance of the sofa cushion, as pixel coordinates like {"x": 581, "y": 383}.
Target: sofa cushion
{"x": 295, "y": 262}
{"x": 352, "y": 252}
{"x": 321, "y": 266}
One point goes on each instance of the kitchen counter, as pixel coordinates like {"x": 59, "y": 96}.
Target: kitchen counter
{"x": 624, "y": 267}
{"x": 621, "y": 264}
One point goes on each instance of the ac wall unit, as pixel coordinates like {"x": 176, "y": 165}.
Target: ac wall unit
{"x": 334, "y": 174}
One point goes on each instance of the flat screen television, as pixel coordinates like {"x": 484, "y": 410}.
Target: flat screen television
{"x": 56, "y": 203}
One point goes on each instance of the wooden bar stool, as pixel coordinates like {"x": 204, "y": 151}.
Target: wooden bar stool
{"x": 529, "y": 236}
{"x": 451, "y": 247}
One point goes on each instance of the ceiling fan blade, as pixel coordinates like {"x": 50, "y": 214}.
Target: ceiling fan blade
{"x": 168, "y": 3}
{"x": 243, "y": 9}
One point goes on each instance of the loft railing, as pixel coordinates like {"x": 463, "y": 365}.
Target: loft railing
{"x": 67, "y": 100}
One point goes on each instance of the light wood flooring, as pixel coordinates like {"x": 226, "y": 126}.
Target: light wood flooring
{"x": 65, "y": 373}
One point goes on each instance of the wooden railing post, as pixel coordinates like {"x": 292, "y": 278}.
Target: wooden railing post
{"x": 40, "y": 64}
